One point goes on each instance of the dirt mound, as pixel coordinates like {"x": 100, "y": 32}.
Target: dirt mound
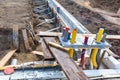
{"x": 110, "y": 5}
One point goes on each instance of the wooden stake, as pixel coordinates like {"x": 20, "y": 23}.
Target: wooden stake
{"x": 15, "y": 37}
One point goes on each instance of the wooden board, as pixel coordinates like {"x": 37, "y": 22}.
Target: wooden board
{"x": 25, "y": 39}
{"x": 7, "y": 58}
{"x": 15, "y": 37}
{"x": 72, "y": 71}
{"x": 111, "y": 53}
{"x": 38, "y": 53}
{"x": 48, "y": 34}
{"x": 116, "y": 37}
{"x": 47, "y": 53}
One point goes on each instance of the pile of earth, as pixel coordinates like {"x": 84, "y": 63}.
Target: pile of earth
{"x": 110, "y": 5}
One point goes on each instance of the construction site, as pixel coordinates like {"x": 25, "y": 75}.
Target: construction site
{"x": 59, "y": 39}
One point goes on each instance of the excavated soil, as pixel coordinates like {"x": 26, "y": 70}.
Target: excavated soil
{"x": 14, "y": 12}
{"x": 93, "y": 21}
{"x": 109, "y": 5}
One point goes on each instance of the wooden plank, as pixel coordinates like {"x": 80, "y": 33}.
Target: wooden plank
{"x": 41, "y": 54}
{"x": 111, "y": 19}
{"x": 111, "y": 53}
{"x": 49, "y": 34}
{"x": 72, "y": 71}
{"x": 25, "y": 39}
{"x": 7, "y": 58}
{"x": 38, "y": 53}
{"x": 47, "y": 53}
{"x": 116, "y": 37}
{"x": 15, "y": 37}
{"x": 54, "y": 34}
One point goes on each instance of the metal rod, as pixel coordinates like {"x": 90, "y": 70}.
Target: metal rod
{"x": 101, "y": 59}
{"x": 53, "y": 29}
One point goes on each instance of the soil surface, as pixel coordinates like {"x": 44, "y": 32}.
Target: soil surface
{"x": 93, "y": 21}
{"x": 14, "y": 12}
{"x": 109, "y": 5}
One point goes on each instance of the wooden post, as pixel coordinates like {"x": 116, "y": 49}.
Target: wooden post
{"x": 25, "y": 39}
{"x": 15, "y": 37}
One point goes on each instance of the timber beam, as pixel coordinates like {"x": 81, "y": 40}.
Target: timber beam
{"x": 55, "y": 34}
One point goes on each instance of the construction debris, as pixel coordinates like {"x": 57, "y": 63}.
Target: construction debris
{"x": 68, "y": 53}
